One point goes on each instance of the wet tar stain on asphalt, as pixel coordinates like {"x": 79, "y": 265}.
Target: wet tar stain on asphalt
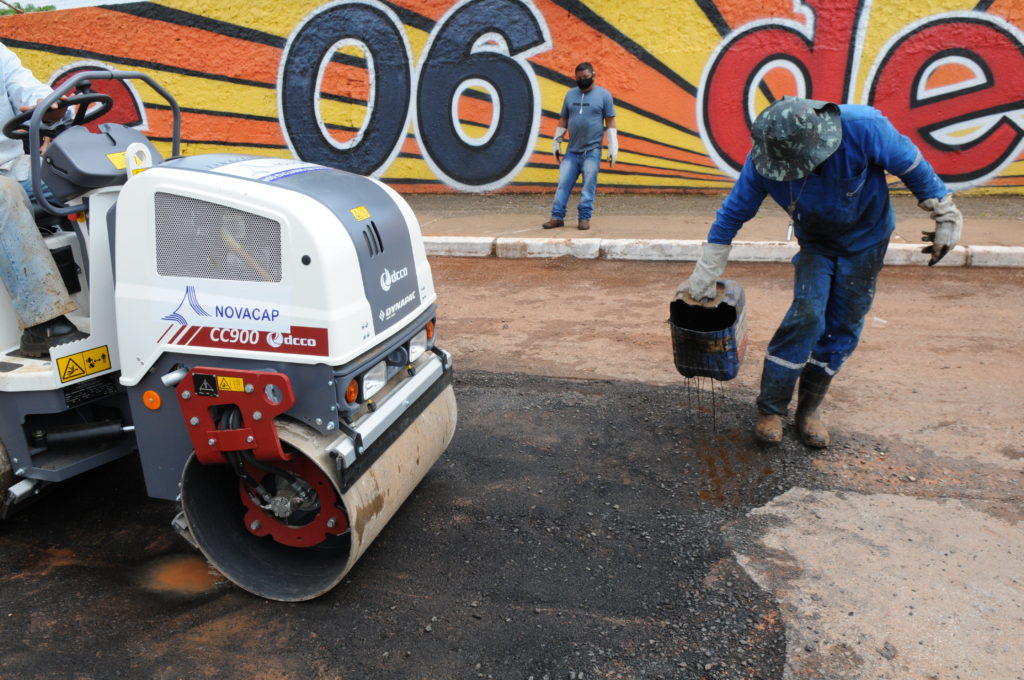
{"x": 571, "y": 527}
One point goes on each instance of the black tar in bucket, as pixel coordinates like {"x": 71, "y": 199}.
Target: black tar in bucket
{"x": 710, "y": 341}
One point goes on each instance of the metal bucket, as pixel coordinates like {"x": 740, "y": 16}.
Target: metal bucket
{"x": 710, "y": 341}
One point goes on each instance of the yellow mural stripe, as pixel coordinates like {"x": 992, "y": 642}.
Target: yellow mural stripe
{"x": 681, "y": 37}
{"x": 193, "y": 92}
{"x": 342, "y": 113}
{"x": 197, "y": 148}
{"x": 268, "y": 16}
{"x": 274, "y": 17}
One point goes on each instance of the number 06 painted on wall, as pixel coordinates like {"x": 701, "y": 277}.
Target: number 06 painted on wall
{"x": 482, "y": 43}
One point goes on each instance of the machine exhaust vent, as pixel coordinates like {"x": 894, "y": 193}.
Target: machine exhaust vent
{"x": 373, "y": 241}
{"x": 199, "y": 239}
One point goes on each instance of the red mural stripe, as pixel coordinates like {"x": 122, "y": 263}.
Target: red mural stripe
{"x": 176, "y": 47}
{"x": 1011, "y": 10}
{"x": 346, "y": 80}
{"x": 430, "y": 9}
{"x": 226, "y": 129}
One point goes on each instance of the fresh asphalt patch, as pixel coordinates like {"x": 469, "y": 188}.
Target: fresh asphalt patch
{"x": 573, "y": 529}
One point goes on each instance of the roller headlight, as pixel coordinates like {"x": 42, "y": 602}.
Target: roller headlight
{"x": 374, "y": 379}
{"x": 418, "y": 345}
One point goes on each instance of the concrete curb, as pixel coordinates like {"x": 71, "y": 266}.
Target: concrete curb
{"x": 688, "y": 251}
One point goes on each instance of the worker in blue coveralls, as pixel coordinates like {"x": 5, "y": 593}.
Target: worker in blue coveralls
{"x": 27, "y": 269}
{"x": 826, "y": 165}
{"x": 587, "y": 113}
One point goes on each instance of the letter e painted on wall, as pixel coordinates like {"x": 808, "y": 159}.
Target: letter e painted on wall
{"x": 817, "y": 54}
{"x": 954, "y": 85}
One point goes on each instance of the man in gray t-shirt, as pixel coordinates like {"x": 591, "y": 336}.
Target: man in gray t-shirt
{"x": 587, "y": 112}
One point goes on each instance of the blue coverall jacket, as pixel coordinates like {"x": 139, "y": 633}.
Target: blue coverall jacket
{"x": 842, "y": 218}
{"x": 844, "y": 207}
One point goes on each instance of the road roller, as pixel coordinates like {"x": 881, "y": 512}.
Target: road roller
{"x": 261, "y": 332}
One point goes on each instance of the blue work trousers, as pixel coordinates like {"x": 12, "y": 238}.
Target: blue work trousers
{"x": 831, "y": 297}
{"x": 27, "y": 269}
{"x": 575, "y": 163}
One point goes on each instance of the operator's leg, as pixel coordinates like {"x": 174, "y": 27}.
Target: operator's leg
{"x": 568, "y": 170}
{"x": 591, "y": 167}
{"x": 27, "y": 269}
{"x": 790, "y": 346}
{"x": 850, "y": 298}
{"x": 853, "y": 291}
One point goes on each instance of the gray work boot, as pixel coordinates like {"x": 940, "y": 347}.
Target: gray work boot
{"x": 814, "y": 384}
{"x": 768, "y": 428}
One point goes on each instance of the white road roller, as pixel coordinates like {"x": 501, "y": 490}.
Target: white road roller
{"x": 260, "y": 330}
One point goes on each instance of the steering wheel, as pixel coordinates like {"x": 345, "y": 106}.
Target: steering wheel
{"x": 15, "y": 127}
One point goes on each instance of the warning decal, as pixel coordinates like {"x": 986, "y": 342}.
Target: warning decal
{"x": 205, "y": 385}
{"x": 230, "y": 384}
{"x": 85, "y": 363}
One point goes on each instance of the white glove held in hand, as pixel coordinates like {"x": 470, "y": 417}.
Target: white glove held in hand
{"x": 710, "y": 267}
{"x": 948, "y": 225}
{"x": 556, "y": 143}
{"x": 613, "y": 145}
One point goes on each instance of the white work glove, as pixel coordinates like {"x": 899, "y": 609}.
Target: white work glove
{"x": 702, "y": 284}
{"x": 613, "y": 146}
{"x": 556, "y": 143}
{"x": 948, "y": 225}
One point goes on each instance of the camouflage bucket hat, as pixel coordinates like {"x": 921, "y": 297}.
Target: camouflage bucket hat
{"x": 793, "y": 136}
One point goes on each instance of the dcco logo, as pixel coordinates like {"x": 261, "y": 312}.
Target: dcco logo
{"x": 391, "y": 276}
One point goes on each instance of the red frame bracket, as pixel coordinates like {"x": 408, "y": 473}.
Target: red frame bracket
{"x": 260, "y": 397}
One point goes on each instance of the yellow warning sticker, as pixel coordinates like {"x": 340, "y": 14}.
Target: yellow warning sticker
{"x": 360, "y": 213}
{"x": 118, "y": 160}
{"x": 85, "y": 363}
{"x": 225, "y": 384}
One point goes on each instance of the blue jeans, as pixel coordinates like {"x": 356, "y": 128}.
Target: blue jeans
{"x": 27, "y": 269}
{"x": 573, "y": 164}
{"x": 831, "y": 297}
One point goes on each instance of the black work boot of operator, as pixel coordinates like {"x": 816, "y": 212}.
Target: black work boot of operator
{"x": 37, "y": 340}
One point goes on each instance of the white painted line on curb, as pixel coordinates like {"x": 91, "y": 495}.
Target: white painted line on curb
{"x": 459, "y": 246}
{"x": 906, "y": 253}
{"x": 996, "y": 256}
{"x": 581, "y": 248}
{"x": 649, "y": 249}
{"x": 672, "y": 250}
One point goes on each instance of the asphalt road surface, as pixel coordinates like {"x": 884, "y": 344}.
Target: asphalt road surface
{"x": 598, "y": 516}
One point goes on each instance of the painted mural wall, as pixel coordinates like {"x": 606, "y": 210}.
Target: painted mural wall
{"x": 442, "y": 95}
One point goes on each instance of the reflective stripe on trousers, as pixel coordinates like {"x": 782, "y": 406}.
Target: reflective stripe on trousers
{"x": 831, "y": 297}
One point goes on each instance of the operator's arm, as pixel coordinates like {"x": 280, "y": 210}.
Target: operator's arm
{"x": 608, "y": 110}
{"x": 897, "y": 154}
{"x": 22, "y": 88}
{"x": 739, "y": 206}
{"x": 556, "y": 140}
{"x": 613, "y": 139}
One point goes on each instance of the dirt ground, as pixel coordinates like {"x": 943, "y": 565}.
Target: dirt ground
{"x": 938, "y": 366}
